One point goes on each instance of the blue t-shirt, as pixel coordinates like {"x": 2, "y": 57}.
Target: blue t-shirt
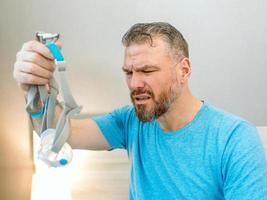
{"x": 215, "y": 156}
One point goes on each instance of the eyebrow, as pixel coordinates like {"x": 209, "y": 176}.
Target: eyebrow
{"x": 143, "y": 68}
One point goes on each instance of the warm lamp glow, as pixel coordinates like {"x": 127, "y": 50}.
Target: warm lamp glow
{"x": 53, "y": 183}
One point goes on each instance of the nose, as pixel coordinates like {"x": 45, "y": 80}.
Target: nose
{"x": 135, "y": 81}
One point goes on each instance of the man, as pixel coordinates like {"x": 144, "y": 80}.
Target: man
{"x": 179, "y": 147}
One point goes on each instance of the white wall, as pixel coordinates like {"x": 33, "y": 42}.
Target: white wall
{"x": 227, "y": 40}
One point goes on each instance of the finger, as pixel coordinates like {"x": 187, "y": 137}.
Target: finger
{"x": 59, "y": 44}
{"x": 37, "y": 59}
{"x": 30, "y": 79}
{"x": 24, "y": 87}
{"x": 33, "y": 69}
{"x": 37, "y": 47}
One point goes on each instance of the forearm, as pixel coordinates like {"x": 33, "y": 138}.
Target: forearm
{"x": 85, "y": 134}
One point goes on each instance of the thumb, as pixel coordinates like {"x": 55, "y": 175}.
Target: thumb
{"x": 59, "y": 44}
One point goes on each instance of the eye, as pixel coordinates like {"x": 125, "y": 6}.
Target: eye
{"x": 148, "y": 71}
{"x": 128, "y": 73}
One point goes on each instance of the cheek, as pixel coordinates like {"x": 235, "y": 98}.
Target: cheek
{"x": 163, "y": 80}
{"x": 164, "y": 86}
{"x": 156, "y": 86}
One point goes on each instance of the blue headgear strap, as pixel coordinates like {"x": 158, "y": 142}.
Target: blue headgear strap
{"x": 55, "y": 51}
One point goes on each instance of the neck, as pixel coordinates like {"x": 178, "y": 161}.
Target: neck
{"x": 181, "y": 112}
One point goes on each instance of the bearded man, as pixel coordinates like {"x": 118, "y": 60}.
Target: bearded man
{"x": 179, "y": 146}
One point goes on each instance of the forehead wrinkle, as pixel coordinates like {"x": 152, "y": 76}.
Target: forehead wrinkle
{"x": 127, "y": 68}
{"x": 141, "y": 68}
{"x": 139, "y": 58}
{"x": 137, "y": 55}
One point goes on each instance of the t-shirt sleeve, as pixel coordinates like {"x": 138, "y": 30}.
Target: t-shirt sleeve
{"x": 113, "y": 127}
{"x": 244, "y": 167}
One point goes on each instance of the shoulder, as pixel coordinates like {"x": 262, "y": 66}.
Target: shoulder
{"x": 232, "y": 133}
{"x": 224, "y": 120}
{"x": 228, "y": 128}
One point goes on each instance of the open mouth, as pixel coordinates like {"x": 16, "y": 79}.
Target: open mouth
{"x": 140, "y": 99}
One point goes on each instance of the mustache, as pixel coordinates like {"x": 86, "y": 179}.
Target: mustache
{"x": 142, "y": 91}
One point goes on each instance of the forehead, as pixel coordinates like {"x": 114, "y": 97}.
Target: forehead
{"x": 145, "y": 54}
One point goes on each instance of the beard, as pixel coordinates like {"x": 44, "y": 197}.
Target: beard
{"x": 158, "y": 107}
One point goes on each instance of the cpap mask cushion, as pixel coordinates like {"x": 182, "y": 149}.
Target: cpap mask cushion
{"x": 41, "y": 103}
{"x": 45, "y": 153}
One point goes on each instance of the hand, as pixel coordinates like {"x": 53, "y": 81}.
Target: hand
{"x": 34, "y": 65}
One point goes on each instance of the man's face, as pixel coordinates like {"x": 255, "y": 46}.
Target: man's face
{"x": 152, "y": 78}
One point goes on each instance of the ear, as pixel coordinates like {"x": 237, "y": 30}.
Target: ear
{"x": 185, "y": 69}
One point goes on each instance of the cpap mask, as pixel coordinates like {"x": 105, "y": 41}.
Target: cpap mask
{"x": 41, "y": 103}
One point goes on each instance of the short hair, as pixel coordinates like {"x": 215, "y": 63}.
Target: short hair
{"x": 145, "y": 32}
